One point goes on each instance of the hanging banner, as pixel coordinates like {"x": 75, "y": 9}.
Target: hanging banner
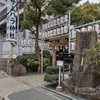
{"x": 11, "y": 21}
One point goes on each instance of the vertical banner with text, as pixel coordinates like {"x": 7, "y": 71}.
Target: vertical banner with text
{"x": 11, "y": 21}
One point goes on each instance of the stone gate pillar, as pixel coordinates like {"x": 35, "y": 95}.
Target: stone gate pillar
{"x": 1, "y": 43}
{"x": 53, "y": 56}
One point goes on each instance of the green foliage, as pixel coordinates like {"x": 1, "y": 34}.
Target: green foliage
{"x": 93, "y": 55}
{"x": 85, "y": 13}
{"x": 21, "y": 59}
{"x": 46, "y": 54}
{"x": 52, "y": 70}
{"x": 51, "y": 78}
{"x": 52, "y": 74}
{"x": 58, "y": 7}
{"x": 46, "y": 62}
{"x": 24, "y": 58}
{"x": 32, "y": 62}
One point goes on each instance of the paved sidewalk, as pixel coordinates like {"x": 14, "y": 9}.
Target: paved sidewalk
{"x": 32, "y": 80}
{"x": 11, "y": 86}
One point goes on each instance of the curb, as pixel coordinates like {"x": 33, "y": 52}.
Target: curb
{"x": 58, "y": 93}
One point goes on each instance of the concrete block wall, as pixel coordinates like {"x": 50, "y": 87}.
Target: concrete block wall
{"x": 3, "y": 64}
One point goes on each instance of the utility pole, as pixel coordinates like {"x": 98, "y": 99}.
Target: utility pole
{"x": 69, "y": 40}
{"x": 18, "y": 28}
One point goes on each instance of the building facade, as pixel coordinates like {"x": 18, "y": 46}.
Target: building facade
{"x": 3, "y": 3}
{"x": 24, "y": 42}
{"x": 8, "y": 48}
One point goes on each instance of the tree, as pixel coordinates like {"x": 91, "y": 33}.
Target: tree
{"x": 59, "y": 7}
{"x": 37, "y": 10}
{"x": 85, "y": 13}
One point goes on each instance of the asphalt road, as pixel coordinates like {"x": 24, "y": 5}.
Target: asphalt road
{"x": 31, "y": 94}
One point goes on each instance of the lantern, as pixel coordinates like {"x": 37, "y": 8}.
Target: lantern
{"x": 72, "y": 46}
{"x": 89, "y": 28}
{"x": 83, "y": 29}
{"x": 48, "y": 34}
{"x": 58, "y": 21}
{"x": 65, "y": 29}
{"x": 55, "y": 22}
{"x": 51, "y": 32}
{"x": 25, "y": 41}
{"x": 58, "y": 31}
{"x": 48, "y": 25}
{"x": 77, "y": 30}
{"x": 54, "y": 32}
{"x": 62, "y": 30}
{"x": 52, "y": 23}
{"x": 45, "y": 34}
{"x": 72, "y": 33}
{"x": 62, "y": 19}
{"x": 43, "y": 26}
{"x": 96, "y": 28}
{"x": 29, "y": 42}
{"x": 66, "y": 18}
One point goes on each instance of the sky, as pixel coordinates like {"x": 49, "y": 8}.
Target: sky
{"x": 94, "y": 1}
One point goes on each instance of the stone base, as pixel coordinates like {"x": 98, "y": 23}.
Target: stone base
{"x": 86, "y": 92}
{"x": 59, "y": 88}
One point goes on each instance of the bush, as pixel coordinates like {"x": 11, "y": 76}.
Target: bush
{"x": 25, "y": 57}
{"x": 52, "y": 70}
{"x": 46, "y": 62}
{"x": 52, "y": 74}
{"x": 32, "y": 64}
{"x": 46, "y": 54}
{"x": 22, "y": 59}
{"x": 51, "y": 78}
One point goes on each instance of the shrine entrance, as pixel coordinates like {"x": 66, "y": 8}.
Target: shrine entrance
{"x": 59, "y": 49}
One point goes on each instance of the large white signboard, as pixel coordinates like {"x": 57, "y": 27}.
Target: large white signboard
{"x": 11, "y": 21}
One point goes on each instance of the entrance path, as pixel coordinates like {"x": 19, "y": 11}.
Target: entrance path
{"x": 19, "y": 88}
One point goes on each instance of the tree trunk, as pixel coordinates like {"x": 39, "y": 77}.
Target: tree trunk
{"x": 37, "y": 48}
{"x": 81, "y": 75}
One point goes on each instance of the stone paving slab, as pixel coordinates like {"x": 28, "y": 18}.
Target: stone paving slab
{"x": 32, "y": 80}
{"x": 3, "y": 75}
{"x": 9, "y": 85}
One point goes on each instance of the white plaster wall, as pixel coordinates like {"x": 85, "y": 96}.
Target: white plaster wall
{"x": 7, "y": 49}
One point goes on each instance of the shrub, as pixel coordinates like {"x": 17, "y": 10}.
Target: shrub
{"x": 32, "y": 64}
{"x": 52, "y": 74}
{"x": 46, "y": 62}
{"x": 51, "y": 78}
{"x": 46, "y": 54}
{"x": 52, "y": 70}
{"x": 23, "y": 59}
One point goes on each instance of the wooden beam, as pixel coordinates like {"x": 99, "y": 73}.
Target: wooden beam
{"x": 58, "y": 38}
{"x": 59, "y": 44}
